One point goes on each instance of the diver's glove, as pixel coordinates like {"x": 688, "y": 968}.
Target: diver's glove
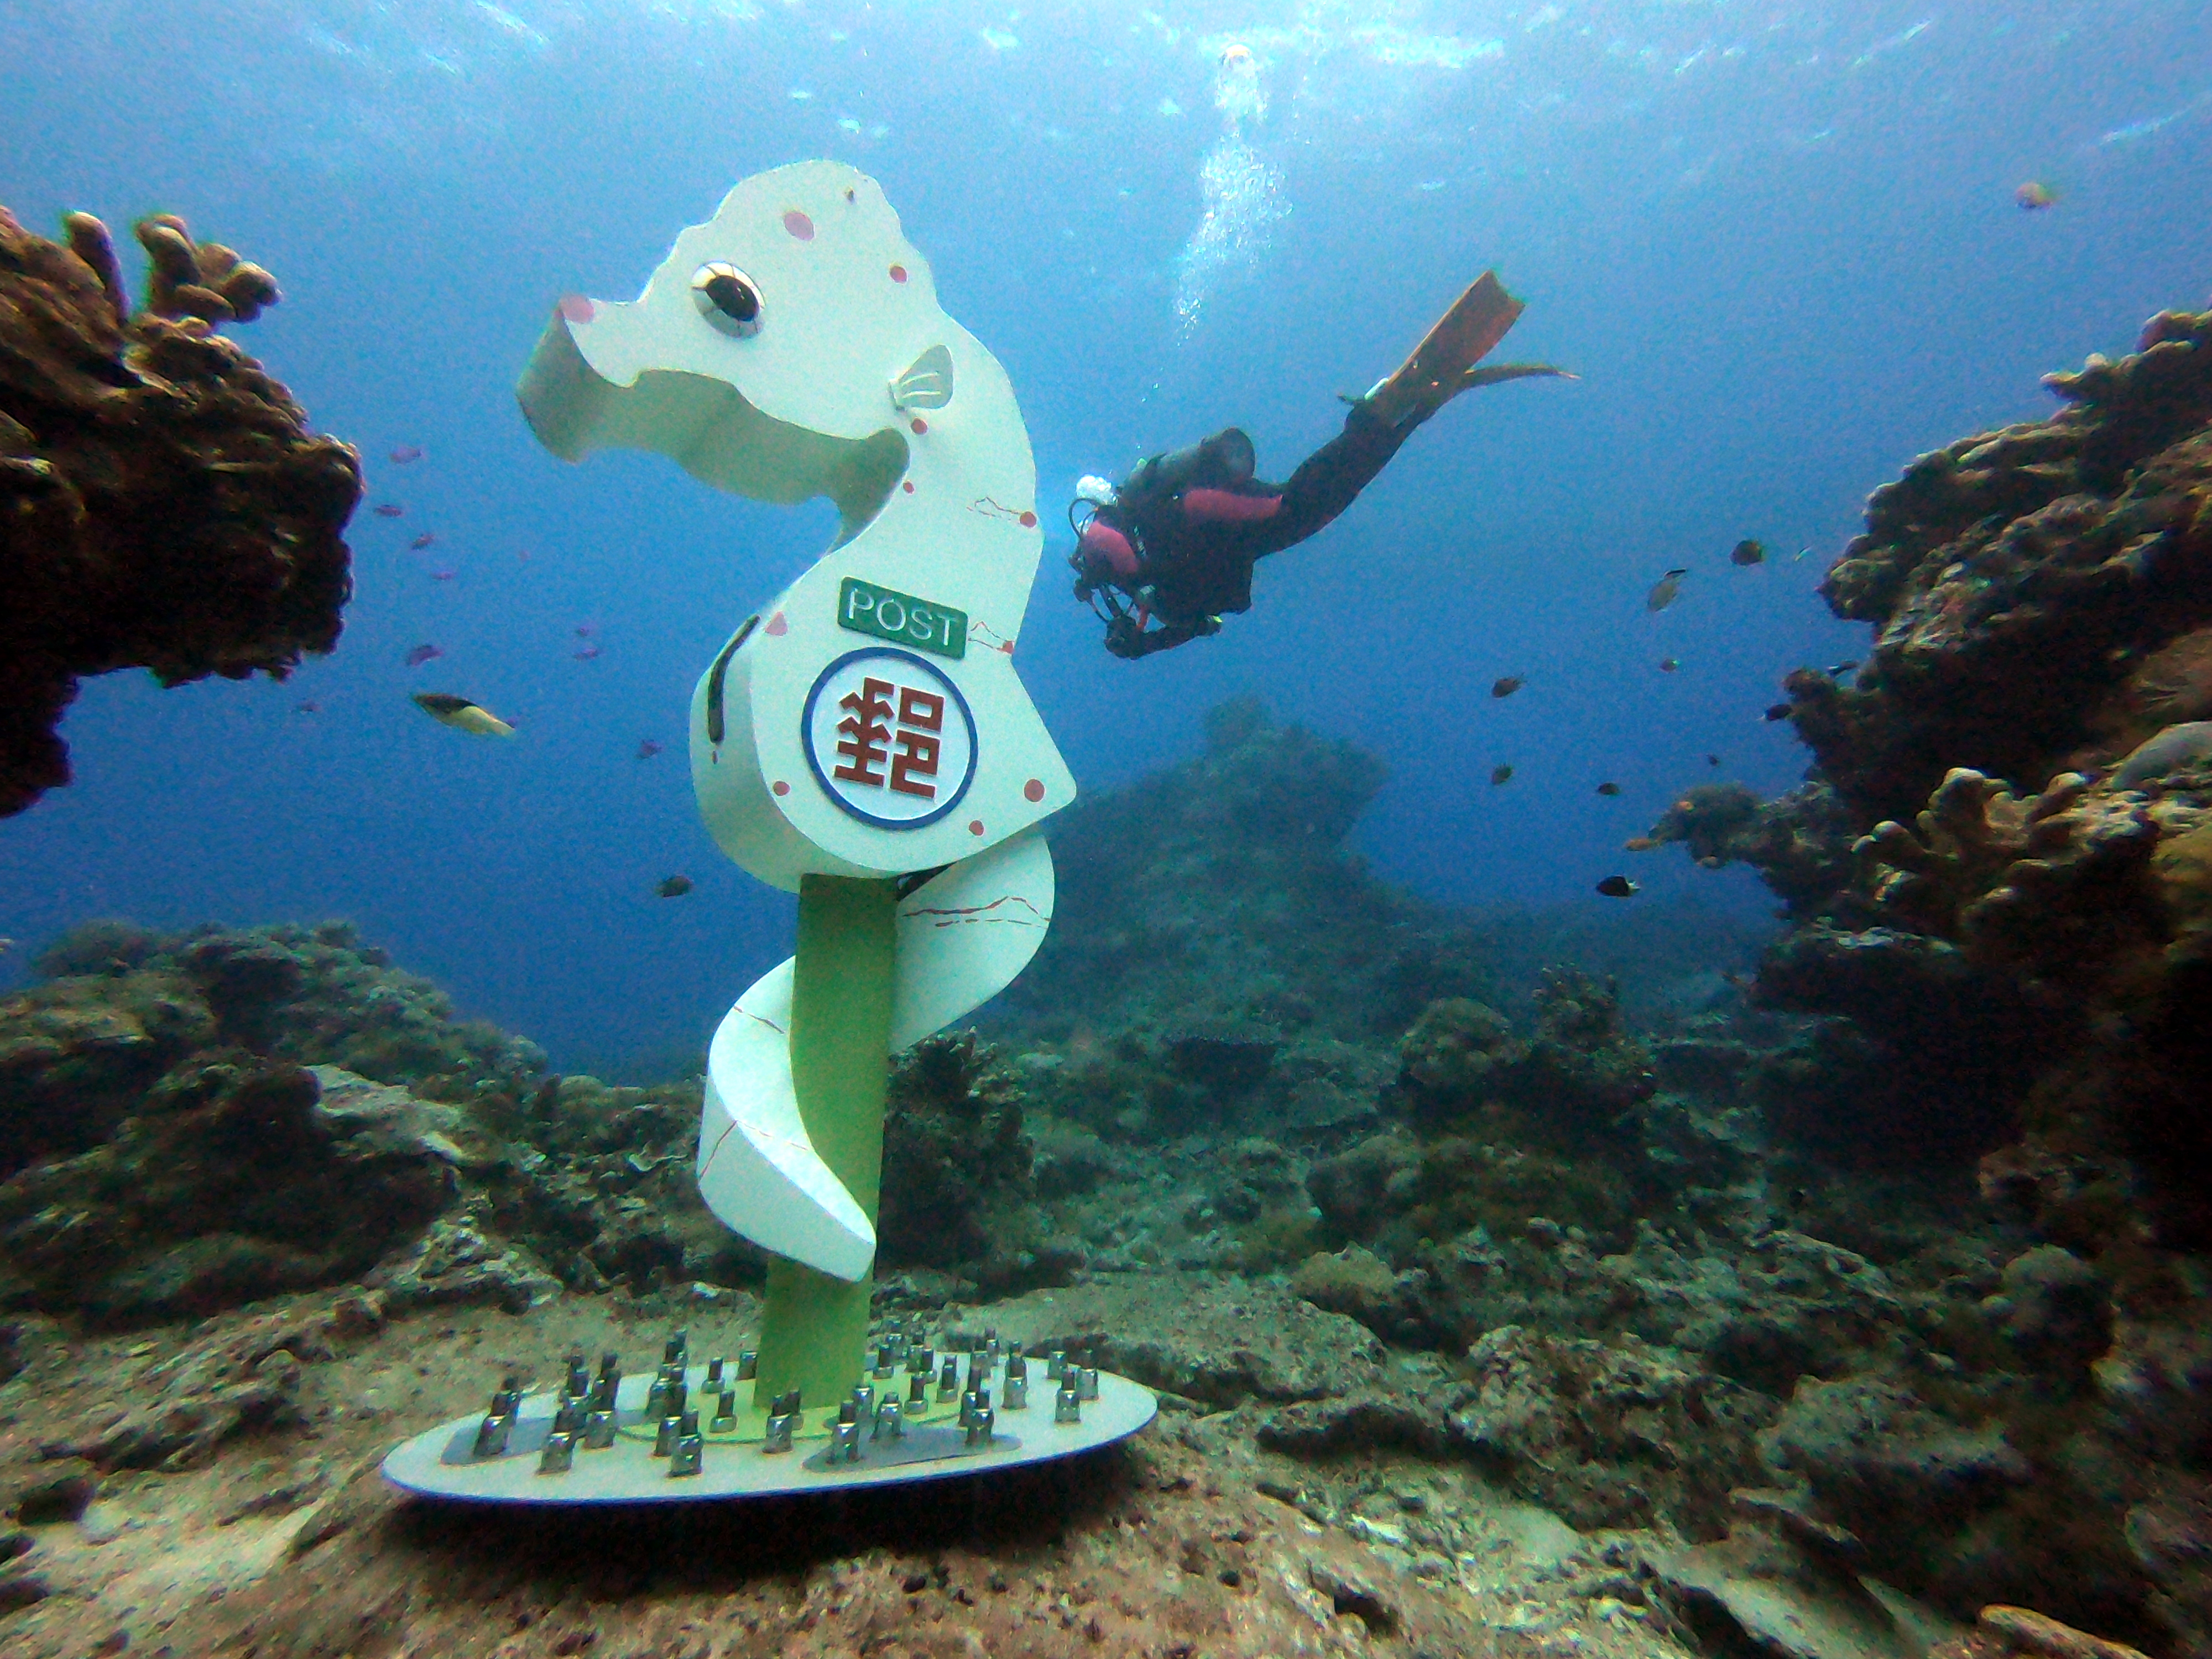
{"x": 1125, "y": 639}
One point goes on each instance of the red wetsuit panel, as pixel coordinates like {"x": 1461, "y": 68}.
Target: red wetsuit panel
{"x": 1228, "y": 507}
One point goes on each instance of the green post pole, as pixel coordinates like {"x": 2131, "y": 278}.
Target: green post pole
{"x": 814, "y": 1328}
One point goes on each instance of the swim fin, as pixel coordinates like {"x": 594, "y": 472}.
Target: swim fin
{"x": 1437, "y": 371}
{"x": 1498, "y": 374}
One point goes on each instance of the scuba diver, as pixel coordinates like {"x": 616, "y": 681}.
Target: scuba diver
{"x": 1176, "y": 542}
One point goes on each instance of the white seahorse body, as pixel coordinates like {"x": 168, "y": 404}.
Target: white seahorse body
{"x": 868, "y": 721}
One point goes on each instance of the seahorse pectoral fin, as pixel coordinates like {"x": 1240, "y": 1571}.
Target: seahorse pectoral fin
{"x": 965, "y": 933}
{"x": 928, "y": 382}
{"x": 757, "y": 1170}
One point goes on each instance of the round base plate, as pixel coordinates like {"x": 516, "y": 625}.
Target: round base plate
{"x": 931, "y": 1446}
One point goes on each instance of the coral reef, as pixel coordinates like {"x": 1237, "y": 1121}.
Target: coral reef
{"x": 2018, "y": 579}
{"x": 189, "y": 1122}
{"x": 1645, "y": 1336}
{"x": 958, "y": 1168}
{"x": 2004, "y": 905}
{"x": 1237, "y": 966}
{"x": 1798, "y": 841}
{"x": 163, "y": 504}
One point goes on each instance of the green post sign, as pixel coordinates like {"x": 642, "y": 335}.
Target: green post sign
{"x": 902, "y": 618}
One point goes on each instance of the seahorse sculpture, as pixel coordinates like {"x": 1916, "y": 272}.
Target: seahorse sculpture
{"x": 862, "y": 739}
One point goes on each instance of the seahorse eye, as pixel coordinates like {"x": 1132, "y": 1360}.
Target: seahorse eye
{"x": 726, "y": 298}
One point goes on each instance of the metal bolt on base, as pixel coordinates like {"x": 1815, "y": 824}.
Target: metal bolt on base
{"x": 528, "y": 1451}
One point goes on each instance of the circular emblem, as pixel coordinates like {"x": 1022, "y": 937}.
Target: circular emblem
{"x": 889, "y": 738}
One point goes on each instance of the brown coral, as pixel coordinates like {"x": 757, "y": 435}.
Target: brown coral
{"x": 1795, "y": 841}
{"x": 2067, "y": 892}
{"x": 2016, "y": 577}
{"x": 162, "y": 502}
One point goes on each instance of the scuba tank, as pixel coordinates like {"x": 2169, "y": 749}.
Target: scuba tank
{"x": 1225, "y": 458}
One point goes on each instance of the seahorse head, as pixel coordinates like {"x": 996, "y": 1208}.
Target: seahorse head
{"x": 791, "y": 346}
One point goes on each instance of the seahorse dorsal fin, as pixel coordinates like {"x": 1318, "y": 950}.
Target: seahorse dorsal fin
{"x": 928, "y": 382}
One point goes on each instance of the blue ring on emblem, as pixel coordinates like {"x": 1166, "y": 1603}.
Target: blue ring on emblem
{"x": 813, "y": 765}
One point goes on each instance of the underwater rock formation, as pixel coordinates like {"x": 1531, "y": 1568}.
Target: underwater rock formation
{"x": 163, "y": 504}
{"x": 958, "y": 1169}
{"x": 194, "y": 1120}
{"x": 1415, "y": 1292}
{"x": 1500, "y": 1127}
{"x": 2018, "y": 580}
{"x": 191, "y": 1121}
{"x": 238, "y": 1178}
{"x": 1238, "y": 965}
{"x": 2016, "y": 837}
{"x": 1799, "y": 842}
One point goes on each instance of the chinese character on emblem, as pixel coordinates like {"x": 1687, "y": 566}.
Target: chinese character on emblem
{"x": 921, "y": 719}
{"x": 862, "y": 734}
{"x": 891, "y": 739}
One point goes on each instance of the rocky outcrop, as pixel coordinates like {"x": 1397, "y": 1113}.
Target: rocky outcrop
{"x": 163, "y": 504}
{"x": 239, "y": 1178}
{"x": 2014, "y": 831}
{"x": 2016, "y": 578}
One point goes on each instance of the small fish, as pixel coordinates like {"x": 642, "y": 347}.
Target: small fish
{"x": 1837, "y": 670}
{"x": 422, "y": 654}
{"x": 1507, "y": 686}
{"x": 1500, "y": 775}
{"x": 1799, "y": 554}
{"x": 1618, "y": 887}
{"x": 2034, "y": 196}
{"x": 584, "y": 630}
{"x": 673, "y": 886}
{"x": 586, "y": 654}
{"x": 426, "y": 539}
{"x": 1668, "y": 664}
{"x": 1747, "y": 551}
{"x": 387, "y": 509}
{"x": 405, "y": 454}
{"x": 523, "y": 554}
{"x": 1609, "y": 789}
{"x": 461, "y": 715}
{"x": 1638, "y": 844}
{"x": 444, "y": 573}
{"x": 308, "y": 705}
{"x": 646, "y": 748}
{"x": 1664, "y": 590}
{"x": 1712, "y": 760}
{"x": 6, "y": 945}
{"x": 1777, "y": 711}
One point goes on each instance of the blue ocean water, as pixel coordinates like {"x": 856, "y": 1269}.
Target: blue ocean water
{"x": 1779, "y": 243}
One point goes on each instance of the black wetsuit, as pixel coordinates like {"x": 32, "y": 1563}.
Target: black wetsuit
{"x": 1195, "y": 550}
